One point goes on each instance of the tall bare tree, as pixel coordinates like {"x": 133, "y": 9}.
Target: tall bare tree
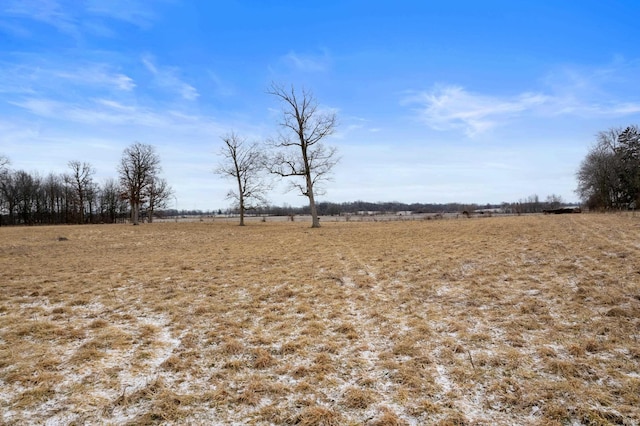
{"x": 138, "y": 167}
{"x": 245, "y": 164}
{"x": 300, "y": 151}
{"x": 158, "y": 194}
{"x": 81, "y": 179}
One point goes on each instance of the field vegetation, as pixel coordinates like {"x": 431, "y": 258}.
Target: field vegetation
{"x": 531, "y": 320}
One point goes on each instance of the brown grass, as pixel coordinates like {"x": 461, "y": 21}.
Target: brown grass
{"x": 531, "y": 320}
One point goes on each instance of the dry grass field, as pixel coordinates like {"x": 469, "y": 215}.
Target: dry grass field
{"x": 516, "y": 320}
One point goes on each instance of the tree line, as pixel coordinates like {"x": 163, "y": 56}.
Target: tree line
{"x": 297, "y": 152}
{"x": 609, "y": 176}
{"x": 75, "y": 197}
{"x": 530, "y": 204}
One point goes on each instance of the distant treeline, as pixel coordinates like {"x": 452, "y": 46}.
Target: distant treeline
{"x": 531, "y": 204}
{"x": 31, "y": 199}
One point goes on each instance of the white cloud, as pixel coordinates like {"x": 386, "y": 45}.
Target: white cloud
{"x": 167, "y": 78}
{"x": 447, "y": 107}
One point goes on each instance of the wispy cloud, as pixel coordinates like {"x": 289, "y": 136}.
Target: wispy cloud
{"x": 167, "y": 78}
{"x": 136, "y": 12}
{"x": 51, "y": 12}
{"x": 448, "y": 107}
{"x": 104, "y": 115}
{"x": 99, "y": 75}
{"x": 96, "y": 112}
{"x": 30, "y": 75}
{"x": 75, "y": 18}
{"x": 308, "y": 62}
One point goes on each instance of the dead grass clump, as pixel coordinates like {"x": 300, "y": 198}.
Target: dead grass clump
{"x": 595, "y": 417}
{"x": 592, "y": 345}
{"x": 38, "y": 330}
{"x": 387, "y": 418}
{"x": 618, "y": 312}
{"x": 172, "y": 363}
{"x": 113, "y": 338}
{"x": 167, "y": 407}
{"x": 262, "y": 359}
{"x": 425, "y": 406}
{"x": 232, "y": 347}
{"x": 291, "y": 347}
{"x": 317, "y": 416}
{"x": 253, "y": 392}
{"x": 406, "y": 347}
{"x": 576, "y": 350}
{"x": 358, "y": 398}
{"x": 98, "y": 323}
{"x": 89, "y": 351}
{"x": 234, "y": 365}
{"x": 80, "y": 301}
{"x": 272, "y": 414}
{"x": 314, "y": 329}
{"x": 348, "y": 330}
{"x": 409, "y": 377}
{"x": 218, "y": 396}
{"x": 300, "y": 372}
{"x": 148, "y": 332}
{"x": 454, "y": 419}
{"x": 556, "y": 412}
{"x": 331, "y": 347}
{"x": 546, "y": 352}
{"x": 571, "y": 369}
{"x": 34, "y": 395}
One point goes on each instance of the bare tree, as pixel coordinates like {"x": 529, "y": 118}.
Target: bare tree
{"x": 300, "y": 151}
{"x": 158, "y": 193}
{"x": 4, "y": 163}
{"x": 81, "y": 179}
{"x": 245, "y": 164}
{"x": 554, "y": 201}
{"x": 139, "y": 166}
{"x": 110, "y": 200}
{"x": 4, "y": 178}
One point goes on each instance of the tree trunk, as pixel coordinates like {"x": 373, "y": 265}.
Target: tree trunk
{"x": 315, "y": 221}
{"x": 240, "y": 198}
{"x": 135, "y": 212}
{"x": 241, "y": 210}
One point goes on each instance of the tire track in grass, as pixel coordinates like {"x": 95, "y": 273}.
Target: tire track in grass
{"x": 360, "y": 281}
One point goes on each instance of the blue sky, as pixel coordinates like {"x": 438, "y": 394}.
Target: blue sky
{"x": 437, "y": 101}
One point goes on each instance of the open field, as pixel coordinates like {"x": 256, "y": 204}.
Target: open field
{"x": 517, "y": 320}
